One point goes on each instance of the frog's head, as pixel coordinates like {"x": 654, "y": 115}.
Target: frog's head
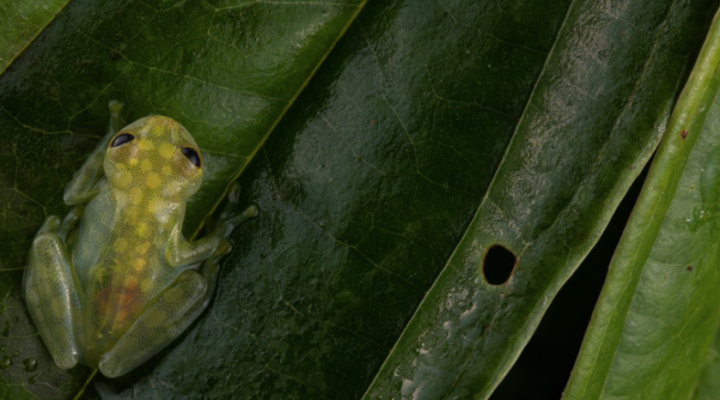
{"x": 154, "y": 154}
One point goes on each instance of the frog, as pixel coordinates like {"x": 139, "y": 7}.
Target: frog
{"x": 116, "y": 281}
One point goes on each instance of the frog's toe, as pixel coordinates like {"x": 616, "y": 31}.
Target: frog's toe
{"x": 72, "y": 218}
{"x": 51, "y": 224}
{"x": 115, "y": 106}
{"x": 66, "y": 360}
{"x": 251, "y": 212}
{"x": 223, "y": 248}
{"x": 234, "y": 193}
{"x": 111, "y": 370}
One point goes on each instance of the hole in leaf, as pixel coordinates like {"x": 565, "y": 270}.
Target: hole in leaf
{"x": 498, "y": 265}
{"x": 564, "y": 325}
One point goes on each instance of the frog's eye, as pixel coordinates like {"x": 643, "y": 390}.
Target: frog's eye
{"x": 122, "y": 139}
{"x": 192, "y": 155}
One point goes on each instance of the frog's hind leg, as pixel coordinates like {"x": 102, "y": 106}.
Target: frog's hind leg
{"x": 165, "y": 319}
{"x": 50, "y": 290}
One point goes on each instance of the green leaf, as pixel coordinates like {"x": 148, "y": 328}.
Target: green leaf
{"x": 658, "y": 311}
{"x": 433, "y": 130}
{"x": 22, "y": 21}
{"x": 227, "y": 70}
{"x": 708, "y": 385}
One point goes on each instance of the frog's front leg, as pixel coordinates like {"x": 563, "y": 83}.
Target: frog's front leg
{"x": 87, "y": 180}
{"x": 181, "y": 252}
{"x": 50, "y": 288}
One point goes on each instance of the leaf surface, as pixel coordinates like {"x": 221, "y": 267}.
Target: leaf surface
{"x": 22, "y": 21}
{"x": 432, "y": 131}
{"x": 659, "y": 309}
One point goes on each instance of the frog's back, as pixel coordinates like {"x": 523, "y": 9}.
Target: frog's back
{"x": 151, "y": 168}
{"x": 120, "y": 263}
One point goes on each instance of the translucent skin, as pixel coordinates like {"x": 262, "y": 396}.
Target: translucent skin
{"x": 113, "y": 290}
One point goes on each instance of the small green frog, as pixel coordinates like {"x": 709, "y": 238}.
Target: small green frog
{"x": 115, "y": 281}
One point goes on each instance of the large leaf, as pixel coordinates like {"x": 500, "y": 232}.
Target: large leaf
{"x": 660, "y": 307}
{"x": 432, "y": 131}
{"x": 226, "y": 70}
{"x": 22, "y": 21}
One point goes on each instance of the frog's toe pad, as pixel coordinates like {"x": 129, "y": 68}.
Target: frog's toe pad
{"x": 234, "y": 193}
{"x": 115, "y": 106}
{"x": 111, "y": 371}
{"x": 51, "y": 224}
{"x": 65, "y": 361}
{"x": 251, "y": 212}
{"x": 72, "y": 218}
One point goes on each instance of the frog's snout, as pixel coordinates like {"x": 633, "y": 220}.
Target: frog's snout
{"x": 161, "y": 120}
{"x": 160, "y": 125}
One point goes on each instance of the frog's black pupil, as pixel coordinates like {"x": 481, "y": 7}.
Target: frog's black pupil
{"x": 122, "y": 139}
{"x": 192, "y": 155}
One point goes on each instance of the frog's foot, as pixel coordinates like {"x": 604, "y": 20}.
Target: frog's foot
{"x": 229, "y": 218}
{"x": 54, "y": 225}
{"x": 159, "y": 324}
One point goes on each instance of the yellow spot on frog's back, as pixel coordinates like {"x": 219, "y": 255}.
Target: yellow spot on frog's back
{"x": 131, "y": 282}
{"x": 136, "y": 195}
{"x": 146, "y": 165}
{"x": 153, "y": 180}
{"x": 144, "y": 144}
{"x": 121, "y": 245}
{"x": 133, "y": 162}
{"x": 173, "y": 188}
{"x": 157, "y": 128}
{"x": 142, "y": 248}
{"x": 143, "y": 230}
{"x": 167, "y": 150}
{"x": 156, "y": 205}
{"x": 124, "y": 178}
{"x": 132, "y": 213}
{"x": 139, "y": 264}
{"x": 166, "y": 170}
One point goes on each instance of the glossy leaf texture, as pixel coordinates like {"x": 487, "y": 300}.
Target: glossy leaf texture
{"x": 22, "y": 22}
{"x": 432, "y": 131}
{"x": 227, "y": 70}
{"x": 660, "y": 306}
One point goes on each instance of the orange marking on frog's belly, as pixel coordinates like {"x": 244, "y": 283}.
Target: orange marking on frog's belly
{"x": 120, "y": 304}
